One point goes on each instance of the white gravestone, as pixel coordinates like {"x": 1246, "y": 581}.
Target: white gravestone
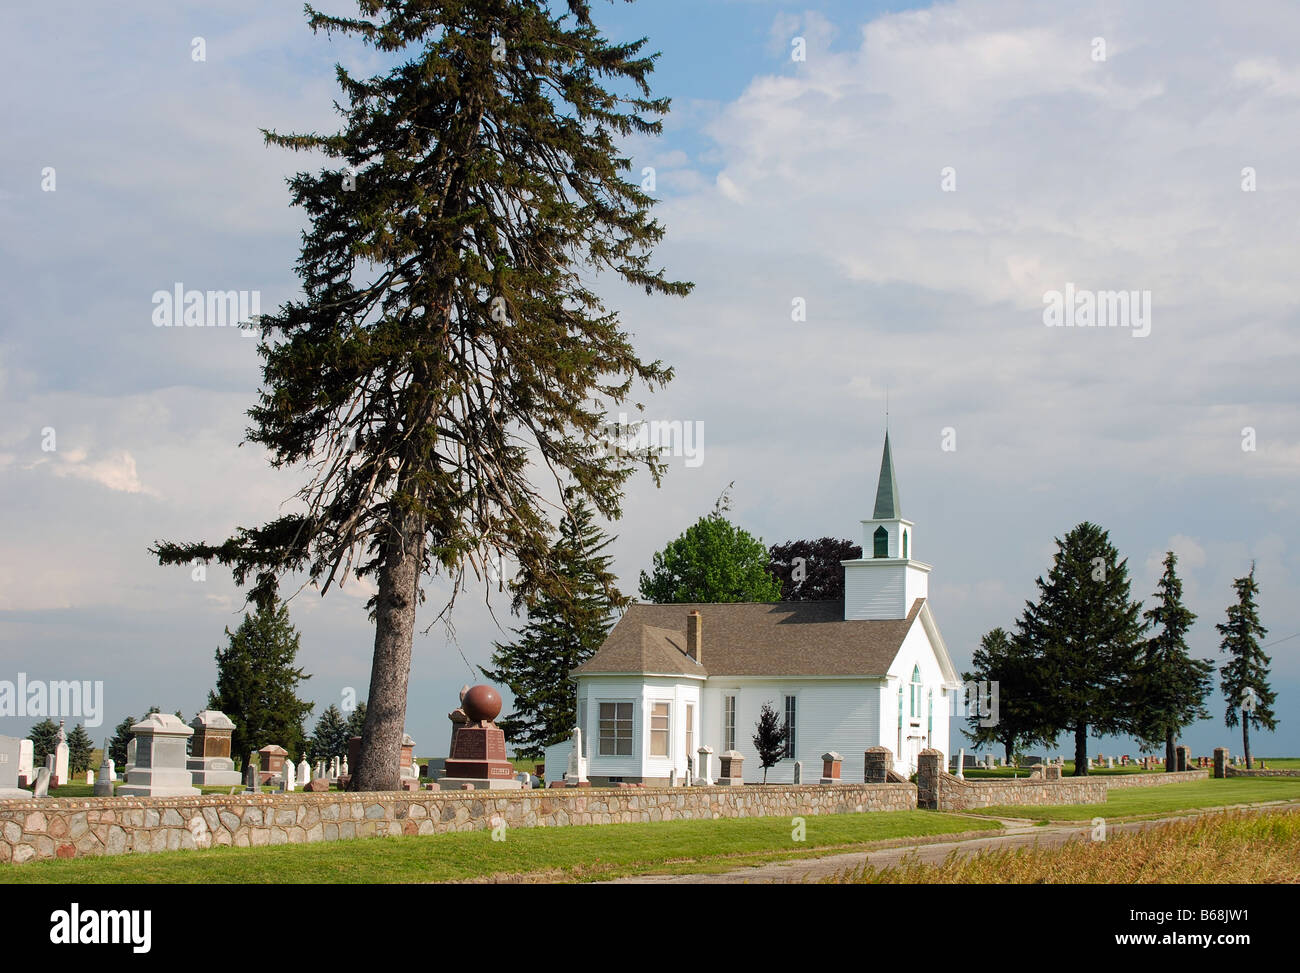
{"x": 704, "y": 773}
{"x": 577, "y": 771}
{"x": 304, "y": 772}
{"x": 10, "y": 753}
{"x": 42, "y": 788}
{"x": 286, "y": 776}
{"x": 61, "y": 759}
{"x": 159, "y": 769}
{"x": 26, "y": 772}
{"x": 343, "y": 771}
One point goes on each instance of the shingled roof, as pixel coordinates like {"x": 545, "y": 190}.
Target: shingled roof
{"x": 791, "y": 638}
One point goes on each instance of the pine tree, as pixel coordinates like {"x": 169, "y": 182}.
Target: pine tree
{"x": 712, "y": 561}
{"x": 45, "y": 737}
{"x": 1172, "y": 686}
{"x": 330, "y": 738}
{"x": 770, "y": 734}
{"x": 811, "y": 570}
{"x": 356, "y": 723}
{"x": 449, "y": 347}
{"x": 562, "y": 632}
{"x": 1245, "y": 674}
{"x": 257, "y": 683}
{"x": 1085, "y": 636}
{"x": 80, "y": 747}
{"x": 1009, "y": 669}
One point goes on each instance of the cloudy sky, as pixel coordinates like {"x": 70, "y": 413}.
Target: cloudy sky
{"x": 918, "y": 182}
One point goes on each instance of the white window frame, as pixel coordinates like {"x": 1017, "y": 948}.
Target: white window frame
{"x": 667, "y": 731}
{"x": 789, "y": 703}
{"x": 729, "y": 706}
{"x": 600, "y": 736}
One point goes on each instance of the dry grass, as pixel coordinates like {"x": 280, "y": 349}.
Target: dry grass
{"x": 1233, "y": 846}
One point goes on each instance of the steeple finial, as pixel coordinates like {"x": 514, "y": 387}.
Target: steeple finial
{"x": 887, "y": 505}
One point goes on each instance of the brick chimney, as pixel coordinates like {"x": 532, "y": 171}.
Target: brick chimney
{"x": 694, "y": 635}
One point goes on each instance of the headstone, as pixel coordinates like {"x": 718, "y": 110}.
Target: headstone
{"x": 407, "y": 766}
{"x": 272, "y": 758}
{"x": 26, "y": 772}
{"x": 478, "y": 746}
{"x": 104, "y": 782}
{"x": 961, "y": 759}
{"x": 10, "y": 752}
{"x": 130, "y": 756}
{"x": 334, "y": 767}
{"x": 524, "y": 778}
{"x": 304, "y": 771}
{"x": 437, "y": 768}
{"x": 672, "y": 777}
{"x": 112, "y": 769}
{"x": 159, "y": 769}
{"x": 343, "y": 768}
{"x": 61, "y": 759}
{"x": 253, "y": 774}
{"x": 576, "y": 772}
{"x": 210, "y": 763}
{"x": 831, "y": 764}
{"x": 703, "y": 767}
{"x": 90, "y": 778}
{"x": 318, "y": 786}
{"x": 287, "y": 774}
{"x": 732, "y": 772}
{"x": 798, "y": 771}
{"x": 42, "y": 788}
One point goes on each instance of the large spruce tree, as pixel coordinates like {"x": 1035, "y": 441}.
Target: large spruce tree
{"x": 1004, "y": 662}
{"x": 562, "y": 632}
{"x": 80, "y": 747}
{"x": 1245, "y": 674}
{"x": 1172, "y": 687}
{"x": 257, "y": 683}
{"x": 1085, "y": 636}
{"x": 449, "y": 347}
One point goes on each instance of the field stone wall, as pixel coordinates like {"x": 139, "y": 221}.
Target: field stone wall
{"x": 73, "y": 827}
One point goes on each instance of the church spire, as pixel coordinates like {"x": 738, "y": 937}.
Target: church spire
{"x": 887, "y": 506}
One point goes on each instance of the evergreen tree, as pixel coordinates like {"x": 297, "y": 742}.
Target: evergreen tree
{"x": 1009, "y": 668}
{"x": 811, "y": 570}
{"x": 257, "y": 683}
{"x": 1172, "y": 686}
{"x": 80, "y": 747}
{"x": 449, "y": 346}
{"x": 562, "y": 632}
{"x": 770, "y": 734}
{"x": 45, "y": 737}
{"x": 1085, "y": 637}
{"x": 356, "y": 723}
{"x": 1245, "y": 674}
{"x": 713, "y": 560}
{"x": 330, "y": 738}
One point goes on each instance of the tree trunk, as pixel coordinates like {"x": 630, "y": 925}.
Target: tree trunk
{"x": 378, "y": 765}
{"x": 1245, "y": 737}
{"x": 1007, "y": 747}
{"x": 1081, "y": 750}
{"x": 1171, "y": 759}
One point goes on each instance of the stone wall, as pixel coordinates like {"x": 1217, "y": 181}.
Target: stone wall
{"x": 72, "y": 827}
{"x": 1114, "y": 781}
{"x": 1231, "y": 771}
{"x": 939, "y": 790}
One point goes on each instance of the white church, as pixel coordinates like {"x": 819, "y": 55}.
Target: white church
{"x": 871, "y": 670}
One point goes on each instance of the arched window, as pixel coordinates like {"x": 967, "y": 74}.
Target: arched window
{"x": 904, "y": 544}
{"x": 881, "y": 540}
{"x": 916, "y": 690}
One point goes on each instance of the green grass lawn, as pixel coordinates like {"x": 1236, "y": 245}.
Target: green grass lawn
{"x": 567, "y": 853}
{"x": 1149, "y": 801}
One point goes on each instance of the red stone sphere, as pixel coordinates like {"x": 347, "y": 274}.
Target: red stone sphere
{"x": 481, "y": 703}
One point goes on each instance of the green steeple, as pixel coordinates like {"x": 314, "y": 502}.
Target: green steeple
{"x": 887, "y": 506}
